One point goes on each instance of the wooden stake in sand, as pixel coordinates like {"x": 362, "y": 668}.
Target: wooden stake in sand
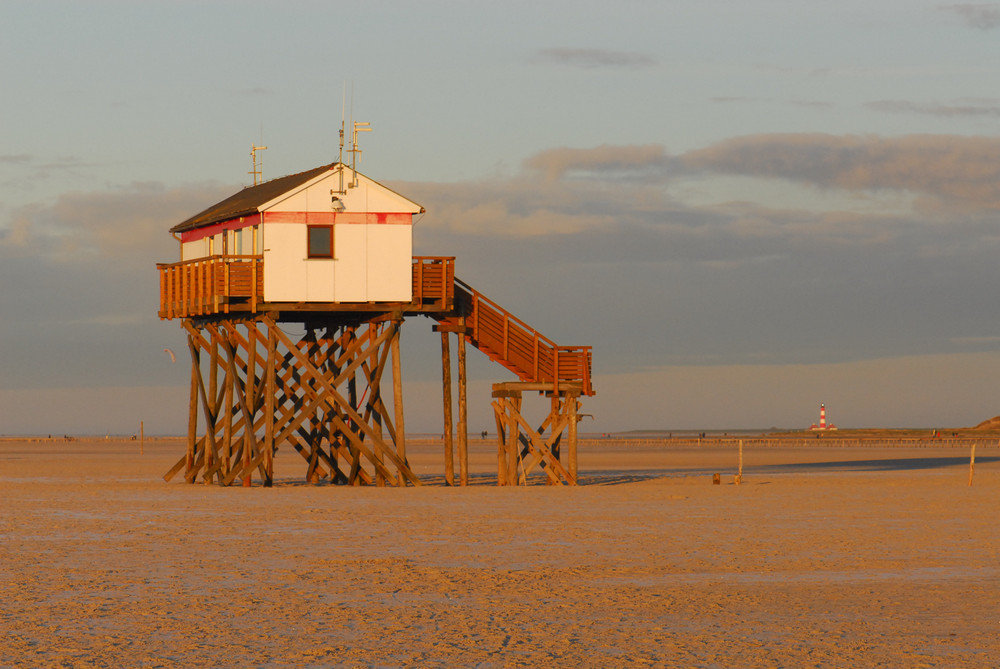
{"x": 142, "y": 437}
{"x": 738, "y": 479}
{"x": 972, "y": 462}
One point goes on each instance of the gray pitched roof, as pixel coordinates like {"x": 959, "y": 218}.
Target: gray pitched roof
{"x": 247, "y": 201}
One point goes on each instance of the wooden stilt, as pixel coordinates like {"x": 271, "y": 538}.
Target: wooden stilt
{"x": 397, "y": 398}
{"x": 449, "y": 467}
{"x": 227, "y": 418}
{"x": 193, "y": 406}
{"x": 269, "y": 391}
{"x": 573, "y": 403}
{"x": 463, "y": 419}
{"x": 513, "y": 438}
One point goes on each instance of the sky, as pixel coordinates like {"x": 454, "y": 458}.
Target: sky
{"x": 746, "y": 208}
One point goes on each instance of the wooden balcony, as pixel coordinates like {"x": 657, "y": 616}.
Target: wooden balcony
{"x": 235, "y": 284}
{"x": 211, "y": 285}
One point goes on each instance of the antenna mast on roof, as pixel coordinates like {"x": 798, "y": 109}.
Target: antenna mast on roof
{"x": 340, "y": 157}
{"x": 258, "y": 168}
{"x": 359, "y": 126}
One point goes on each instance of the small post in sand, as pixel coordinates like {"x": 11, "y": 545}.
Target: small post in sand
{"x": 142, "y": 437}
{"x": 738, "y": 479}
{"x": 972, "y": 462}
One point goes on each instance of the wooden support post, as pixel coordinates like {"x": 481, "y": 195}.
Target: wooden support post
{"x": 376, "y": 409}
{"x": 248, "y": 404}
{"x": 571, "y": 447}
{"x": 269, "y": 392}
{"x": 463, "y": 419}
{"x": 500, "y": 411}
{"x": 193, "y": 406}
{"x": 229, "y": 382}
{"x": 739, "y": 472}
{"x": 449, "y": 466}
{"x": 397, "y": 398}
{"x": 213, "y": 410}
{"x": 513, "y": 438}
{"x": 972, "y": 462}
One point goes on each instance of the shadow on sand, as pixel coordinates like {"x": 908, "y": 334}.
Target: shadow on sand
{"x": 881, "y": 465}
{"x": 623, "y": 477}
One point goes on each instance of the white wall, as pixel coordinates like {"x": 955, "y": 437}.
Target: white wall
{"x": 350, "y": 244}
{"x": 285, "y": 277}
{"x": 390, "y": 259}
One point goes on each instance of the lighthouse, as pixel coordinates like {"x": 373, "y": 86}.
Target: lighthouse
{"x": 822, "y": 421}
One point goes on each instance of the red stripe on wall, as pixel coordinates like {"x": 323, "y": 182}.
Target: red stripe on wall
{"x": 340, "y": 218}
{"x": 216, "y": 228}
{"x": 301, "y": 218}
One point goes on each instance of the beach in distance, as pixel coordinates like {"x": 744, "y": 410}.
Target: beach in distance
{"x": 828, "y": 554}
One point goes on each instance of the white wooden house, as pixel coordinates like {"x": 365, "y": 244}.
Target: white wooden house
{"x": 328, "y": 235}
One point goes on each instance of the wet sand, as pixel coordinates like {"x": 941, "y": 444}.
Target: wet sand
{"x": 823, "y": 557}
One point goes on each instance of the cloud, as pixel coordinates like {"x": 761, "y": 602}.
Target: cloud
{"x": 128, "y": 225}
{"x": 605, "y": 160}
{"x": 970, "y": 108}
{"x": 979, "y": 16}
{"x": 632, "y": 204}
{"x": 595, "y": 58}
{"x": 813, "y": 104}
{"x": 963, "y": 172}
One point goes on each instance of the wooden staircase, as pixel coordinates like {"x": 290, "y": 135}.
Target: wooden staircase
{"x": 509, "y": 341}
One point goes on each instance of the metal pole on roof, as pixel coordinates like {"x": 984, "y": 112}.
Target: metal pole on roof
{"x": 258, "y": 170}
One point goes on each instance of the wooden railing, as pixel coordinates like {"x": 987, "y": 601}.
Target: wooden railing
{"x": 434, "y": 282}
{"x": 223, "y": 284}
{"x": 519, "y": 347}
{"x": 211, "y": 285}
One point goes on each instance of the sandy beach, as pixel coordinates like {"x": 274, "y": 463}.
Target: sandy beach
{"x": 823, "y": 557}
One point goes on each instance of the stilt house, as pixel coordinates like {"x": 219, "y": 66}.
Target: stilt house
{"x": 332, "y": 250}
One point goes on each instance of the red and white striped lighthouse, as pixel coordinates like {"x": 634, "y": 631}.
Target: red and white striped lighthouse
{"x": 822, "y": 416}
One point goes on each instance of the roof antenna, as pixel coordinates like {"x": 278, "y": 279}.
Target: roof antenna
{"x": 258, "y": 168}
{"x": 359, "y": 126}
{"x": 340, "y": 157}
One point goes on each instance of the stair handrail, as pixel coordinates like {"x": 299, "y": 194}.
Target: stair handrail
{"x": 475, "y": 296}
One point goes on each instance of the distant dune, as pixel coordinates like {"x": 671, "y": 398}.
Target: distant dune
{"x": 991, "y": 424}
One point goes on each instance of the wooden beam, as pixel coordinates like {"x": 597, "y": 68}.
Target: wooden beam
{"x": 571, "y": 447}
{"x": 332, "y": 397}
{"x": 397, "y": 399}
{"x": 463, "y": 419}
{"x": 449, "y": 466}
{"x": 193, "y": 404}
{"x": 269, "y": 392}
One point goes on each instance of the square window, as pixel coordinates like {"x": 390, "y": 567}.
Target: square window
{"x": 320, "y": 241}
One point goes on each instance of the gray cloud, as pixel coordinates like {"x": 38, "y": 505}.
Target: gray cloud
{"x": 595, "y": 58}
{"x": 625, "y": 192}
{"x": 963, "y": 172}
{"x": 605, "y": 160}
{"x": 127, "y": 224}
{"x": 80, "y": 286}
{"x": 979, "y": 16}
{"x": 813, "y": 104}
{"x": 969, "y": 108}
